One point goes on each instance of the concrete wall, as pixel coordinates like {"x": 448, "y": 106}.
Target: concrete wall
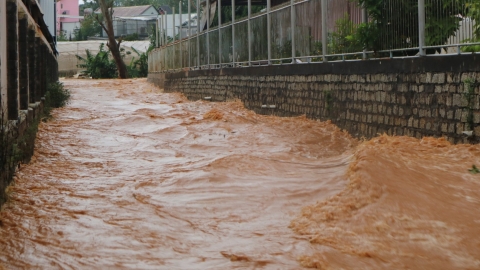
{"x": 414, "y": 96}
{"x": 49, "y": 15}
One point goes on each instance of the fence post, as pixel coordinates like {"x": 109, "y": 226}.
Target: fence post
{"x": 249, "y": 33}
{"x": 162, "y": 40}
{"x": 156, "y": 31}
{"x": 324, "y": 30}
{"x": 269, "y": 34}
{"x": 421, "y": 27}
{"x": 364, "y": 20}
{"x": 198, "y": 33}
{"x": 180, "y": 33}
{"x": 174, "y": 66}
{"x": 233, "y": 32}
{"x": 220, "y": 32}
{"x": 189, "y": 35}
{"x": 165, "y": 43}
{"x": 208, "y": 32}
{"x": 292, "y": 26}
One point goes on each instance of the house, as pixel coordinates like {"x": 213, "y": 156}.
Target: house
{"x": 133, "y": 20}
{"x": 67, "y": 17}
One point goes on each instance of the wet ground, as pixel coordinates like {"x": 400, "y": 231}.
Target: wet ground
{"x": 128, "y": 177}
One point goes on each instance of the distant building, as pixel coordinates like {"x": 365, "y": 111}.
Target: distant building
{"x": 48, "y": 8}
{"x": 67, "y": 17}
{"x": 133, "y": 20}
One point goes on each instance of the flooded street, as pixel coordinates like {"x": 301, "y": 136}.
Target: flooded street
{"x": 129, "y": 177}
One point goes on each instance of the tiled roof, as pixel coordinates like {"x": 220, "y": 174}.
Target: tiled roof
{"x": 128, "y": 11}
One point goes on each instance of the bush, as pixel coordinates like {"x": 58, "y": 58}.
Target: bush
{"x": 99, "y": 66}
{"x": 102, "y": 66}
{"x": 57, "y": 96}
{"x": 138, "y": 67}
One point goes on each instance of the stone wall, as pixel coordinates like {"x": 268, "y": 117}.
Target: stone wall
{"x": 414, "y": 96}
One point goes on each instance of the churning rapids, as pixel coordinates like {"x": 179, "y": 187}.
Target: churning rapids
{"x": 128, "y": 177}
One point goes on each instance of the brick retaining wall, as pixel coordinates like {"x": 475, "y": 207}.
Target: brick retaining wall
{"x": 414, "y": 96}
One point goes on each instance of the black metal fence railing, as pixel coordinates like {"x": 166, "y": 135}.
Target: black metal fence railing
{"x": 305, "y": 31}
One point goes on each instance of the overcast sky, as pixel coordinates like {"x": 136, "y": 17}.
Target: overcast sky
{"x": 80, "y": 2}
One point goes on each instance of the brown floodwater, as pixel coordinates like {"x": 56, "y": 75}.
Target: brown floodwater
{"x": 129, "y": 177}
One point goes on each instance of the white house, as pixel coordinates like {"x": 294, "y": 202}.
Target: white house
{"x": 133, "y": 20}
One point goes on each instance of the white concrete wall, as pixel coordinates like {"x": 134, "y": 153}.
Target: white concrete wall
{"x": 69, "y": 27}
{"x": 48, "y": 8}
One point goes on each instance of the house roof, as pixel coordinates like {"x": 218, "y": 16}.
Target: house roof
{"x": 128, "y": 11}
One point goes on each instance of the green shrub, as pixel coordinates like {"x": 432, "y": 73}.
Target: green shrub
{"x": 102, "y": 66}
{"x": 138, "y": 67}
{"x": 345, "y": 38}
{"x": 99, "y": 66}
{"x": 57, "y": 95}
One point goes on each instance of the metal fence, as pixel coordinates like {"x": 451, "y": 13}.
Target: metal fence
{"x": 304, "y": 31}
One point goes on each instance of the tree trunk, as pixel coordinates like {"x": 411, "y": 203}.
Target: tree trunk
{"x": 114, "y": 46}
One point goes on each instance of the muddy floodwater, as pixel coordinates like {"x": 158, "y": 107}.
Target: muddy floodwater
{"x": 129, "y": 177}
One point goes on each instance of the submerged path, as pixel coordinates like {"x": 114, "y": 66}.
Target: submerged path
{"x": 129, "y": 177}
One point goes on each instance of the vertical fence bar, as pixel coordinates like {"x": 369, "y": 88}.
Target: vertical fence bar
{"x": 173, "y": 38}
{"x": 208, "y": 32}
{"x": 162, "y": 30}
{"x": 166, "y": 29}
{"x": 249, "y": 33}
{"x": 421, "y": 27}
{"x": 269, "y": 33}
{"x": 189, "y": 35}
{"x": 292, "y": 26}
{"x": 198, "y": 33}
{"x": 157, "y": 22}
{"x": 165, "y": 42}
{"x": 180, "y": 33}
{"x": 220, "y": 32}
{"x": 364, "y": 20}
{"x": 233, "y": 32}
{"x": 324, "y": 30}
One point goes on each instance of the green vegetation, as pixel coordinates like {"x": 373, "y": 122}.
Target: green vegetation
{"x": 345, "y": 39}
{"x": 282, "y": 51}
{"x": 391, "y": 29}
{"x": 474, "y": 170}
{"x": 139, "y": 67}
{"x": 62, "y": 36}
{"x": 89, "y": 27}
{"x": 348, "y": 38}
{"x": 99, "y": 65}
{"x": 57, "y": 96}
{"x": 102, "y": 66}
{"x": 474, "y": 13}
